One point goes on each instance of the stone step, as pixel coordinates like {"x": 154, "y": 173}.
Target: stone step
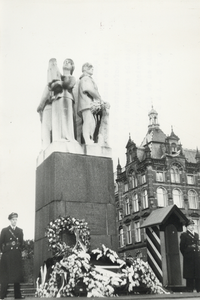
{"x": 27, "y": 290}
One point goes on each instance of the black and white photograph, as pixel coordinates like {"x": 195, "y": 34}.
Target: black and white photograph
{"x": 100, "y": 149}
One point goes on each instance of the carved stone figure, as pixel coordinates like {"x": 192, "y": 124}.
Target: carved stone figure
{"x": 63, "y": 104}
{"x": 103, "y": 134}
{"x": 45, "y": 106}
{"x": 57, "y": 107}
{"x": 92, "y": 109}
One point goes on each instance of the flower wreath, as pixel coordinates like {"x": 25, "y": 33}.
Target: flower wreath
{"x": 75, "y": 226}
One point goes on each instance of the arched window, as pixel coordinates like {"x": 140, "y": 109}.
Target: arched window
{"x": 161, "y": 197}
{"x": 145, "y": 202}
{"x": 173, "y": 148}
{"x": 135, "y": 203}
{"x": 178, "y": 198}
{"x": 134, "y": 181}
{"x": 127, "y": 206}
{"x": 193, "y": 199}
{"x": 175, "y": 174}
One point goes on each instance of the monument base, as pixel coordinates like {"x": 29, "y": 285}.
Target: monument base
{"x": 74, "y": 147}
{"x": 76, "y": 185}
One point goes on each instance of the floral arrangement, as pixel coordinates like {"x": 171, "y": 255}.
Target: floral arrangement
{"x": 74, "y": 226}
{"x": 110, "y": 254}
{"x": 75, "y": 269}
{"x": 65, "y": 276}
{"x": 74, "y": 274}
{"x": 139, "y": 274}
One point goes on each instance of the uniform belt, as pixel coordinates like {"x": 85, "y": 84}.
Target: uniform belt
{"x": 13, "y": 243}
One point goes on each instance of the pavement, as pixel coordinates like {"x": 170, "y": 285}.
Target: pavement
{"x": 184, "y": 296}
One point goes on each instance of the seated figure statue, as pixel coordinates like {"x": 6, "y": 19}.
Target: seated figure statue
{"x": 92, "y": 109}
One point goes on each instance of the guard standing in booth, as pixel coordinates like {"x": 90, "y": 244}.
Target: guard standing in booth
{"x": 190, "y": 249}
{"x": 11, "y": 241}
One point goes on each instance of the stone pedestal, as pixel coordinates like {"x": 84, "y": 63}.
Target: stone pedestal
{"x": 77, "y": 185}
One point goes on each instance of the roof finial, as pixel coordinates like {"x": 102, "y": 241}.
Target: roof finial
{"x": 197, "y": 156}
{"x": 119, "y": 168}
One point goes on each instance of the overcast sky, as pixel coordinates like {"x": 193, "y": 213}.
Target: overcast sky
{"x": 144, "y": 52}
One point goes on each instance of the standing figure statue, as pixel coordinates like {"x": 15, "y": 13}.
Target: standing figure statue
{"x": 63, "y": 104}
{"x": 56, "y": 107}
{"x": 91, "y": 108}
{"x": 45, "y": 106}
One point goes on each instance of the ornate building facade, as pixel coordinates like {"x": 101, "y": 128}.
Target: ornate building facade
{"x": 157, "y": 174}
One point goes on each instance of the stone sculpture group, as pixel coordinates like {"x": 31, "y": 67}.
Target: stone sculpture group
{"x": 72, "y": 111}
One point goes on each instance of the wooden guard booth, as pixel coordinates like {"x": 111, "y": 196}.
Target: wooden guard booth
{"x": 163, "y": 229}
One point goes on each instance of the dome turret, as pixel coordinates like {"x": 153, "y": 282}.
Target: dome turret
{"x": 153, "y": 119}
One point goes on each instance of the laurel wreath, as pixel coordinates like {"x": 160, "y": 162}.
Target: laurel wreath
{"x": 74, "y": 226}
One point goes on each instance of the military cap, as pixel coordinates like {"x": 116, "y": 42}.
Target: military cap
{"x": 12, "y": 215}
{"x": 190, "y": 222}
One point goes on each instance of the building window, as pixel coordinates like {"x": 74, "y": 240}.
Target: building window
{"x": 135, "y": 203}
{"x": 161, "y": 197}
{"x": 193, "y": 199}
{"x": 190, "y": 179}
{"x": 178, "y": 198}
{"x": 137, "y": 232}
{"x": 127, "y": 206}
{"x": 120, "y": 215}
{"x": 121, "y": 237}
{"x": 160, "y": 176}
{"x": 126, "y": 187}
{"x": 175, "y": 175}
{"x": 173, "y": 148}
{"x": 130, "y": 156}
{"x": 143, "y": 178}
{"x": 116, "y": 188}
{"x": 134, "y": 181}
{"x": 145, "y": 202}
{"x": 128, "y": 234}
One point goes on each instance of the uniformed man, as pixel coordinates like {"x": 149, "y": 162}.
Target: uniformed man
{"x": 11, "y": 241}
{"x": 190, "y": 249}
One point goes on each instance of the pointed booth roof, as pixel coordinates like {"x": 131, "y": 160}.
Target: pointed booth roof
{"x": 160, "y": 215}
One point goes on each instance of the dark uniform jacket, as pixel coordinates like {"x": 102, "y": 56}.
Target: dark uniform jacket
{"x": 190, "y": 249}
{"x": 11, "y": 242}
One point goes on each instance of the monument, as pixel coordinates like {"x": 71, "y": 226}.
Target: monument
{"x": 74, "y": 175}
